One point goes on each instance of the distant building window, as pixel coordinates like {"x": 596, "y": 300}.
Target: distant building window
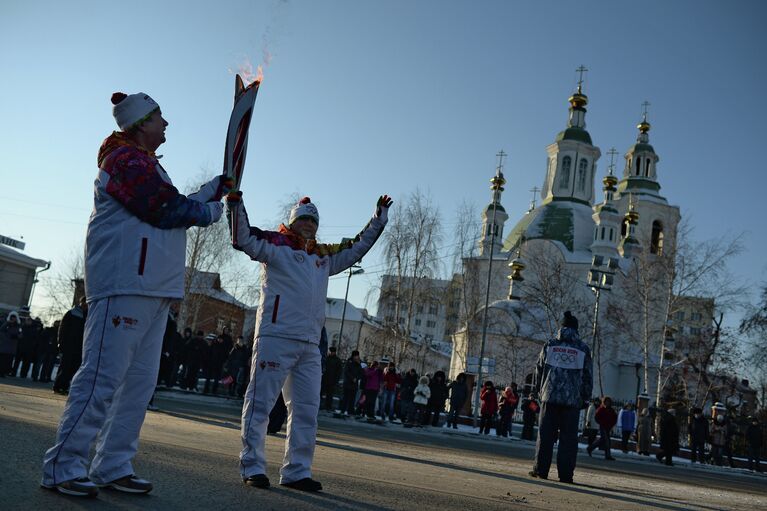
{"x": 432, "y": 309}
{"x": 638, "y": 166}
{"x": 388, "y": 319}
{"x": 603, "y": 233}
{"x": 582, "y": 166}
{"x": 647, "y": 167}
{"x": 417, "y": 322}
{"x": 656, "y": 241}
{"x": 401, "y": 321}
{"x": 564, "y": 178}
{"x": 694, "y": 331}
{"x": 696, "y": 316}
{"x": 431, "y": 324}
{"x": 679, "y": 316}
{"x": 611, "y": 233}
{"x": 419, "y": 309}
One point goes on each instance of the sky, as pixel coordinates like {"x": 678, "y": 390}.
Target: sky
{"x": 362, "y": 98}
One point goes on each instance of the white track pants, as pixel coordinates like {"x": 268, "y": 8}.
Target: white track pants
{"x": 293, "y": 367}
{"x": 110, "y": 392}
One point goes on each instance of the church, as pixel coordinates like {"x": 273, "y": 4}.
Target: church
{"x": 601, "y": 256}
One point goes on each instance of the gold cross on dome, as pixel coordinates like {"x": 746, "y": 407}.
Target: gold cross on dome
{"x": 612, "y": 152}
{"x": 501, "y": 155}
{"x": 645, "y": 106}
{"x": 580, "y": 72}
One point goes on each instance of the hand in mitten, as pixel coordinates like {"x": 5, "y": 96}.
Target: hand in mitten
{"x": 382, "y": 207}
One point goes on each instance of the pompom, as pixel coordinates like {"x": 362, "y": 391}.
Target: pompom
{"x": 305, "y": 200}
{"x": 117, "y": 97}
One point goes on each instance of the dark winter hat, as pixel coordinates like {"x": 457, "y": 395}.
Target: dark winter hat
{"x": 132, "y": 109}
{"x": 332, "y": 349}
{"x": 570, "y": 321}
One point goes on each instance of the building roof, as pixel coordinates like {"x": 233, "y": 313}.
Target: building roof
{"x": 334, "y": 309}
{"x": 11, "y": 254}
{"x": 575, "y": 133}
{"x": 209, "y": 284}
{"x": 567, "y": 222}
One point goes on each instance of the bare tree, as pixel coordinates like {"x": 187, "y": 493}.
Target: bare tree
{"x": 411, "y": 251}
{"x": 209, "y": 250}
{"x": 754, "y": 327}
{"x": 654, "y": 287}
{"x": 59, "y": 287}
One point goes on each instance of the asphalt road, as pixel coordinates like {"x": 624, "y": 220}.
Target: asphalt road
{"x": 189, "y": 450}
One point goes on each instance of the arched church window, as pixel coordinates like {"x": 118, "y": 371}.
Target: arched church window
{"x": 564, "y": 180}
{"x": 582, "y": 174}
{"x": 624, "y": 228}
{"x": 647, "y": 167}
{"x": 656, "y": 241}
{"x": 638, "y": 166}
{"x": 603, "y": 233}
{"x": 596, "y": 233}
{"x": 611, "y": 233}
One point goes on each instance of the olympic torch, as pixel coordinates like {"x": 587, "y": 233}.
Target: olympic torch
{"x": 237, "y": 133}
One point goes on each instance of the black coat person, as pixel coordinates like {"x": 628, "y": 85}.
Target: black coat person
{"x": 458, "y": 394}
{"x": 353, "y": 376}
{"x": 196, "y": 348}
{"x": 31, "y": 331}
{"x": 166, "y": 372}
{"x": 10, "y": 333}
{"x": 218, "y": 353}
{"x": 669, "y": 436}
{"x": 530, "y": 408}
{"x": 236, "y": 366}
{"x": 46, "y": 354}
{"x": 71, "y": 332}
{"x": 437, "y": 398}
{"x": 333, "y": 368}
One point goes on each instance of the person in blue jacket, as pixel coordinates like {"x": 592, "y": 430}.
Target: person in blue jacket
{"x": 563, "y": 381}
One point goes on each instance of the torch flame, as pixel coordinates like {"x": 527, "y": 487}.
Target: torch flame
{"x": 245, "y": 70}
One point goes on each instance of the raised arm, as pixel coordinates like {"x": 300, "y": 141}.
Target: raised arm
{"x": 348, "y": 252}
{"x": 251, "y": 240}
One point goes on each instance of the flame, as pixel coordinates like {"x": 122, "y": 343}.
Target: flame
{"x": 245, "y": 70}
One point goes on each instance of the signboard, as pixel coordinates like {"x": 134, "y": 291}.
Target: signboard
{"x": 488, "y": 365}
{"x": 5, "y": 240}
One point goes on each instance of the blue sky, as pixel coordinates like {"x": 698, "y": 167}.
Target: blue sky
{"x": 363, "y": 98}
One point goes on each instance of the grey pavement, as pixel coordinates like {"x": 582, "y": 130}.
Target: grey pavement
{"x": 189, "y": 450}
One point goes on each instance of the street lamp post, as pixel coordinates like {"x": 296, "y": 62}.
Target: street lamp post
{"x": 497, "y": 187}
{"x": 600, "y": 279}
{"x": 353, "y": 270}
